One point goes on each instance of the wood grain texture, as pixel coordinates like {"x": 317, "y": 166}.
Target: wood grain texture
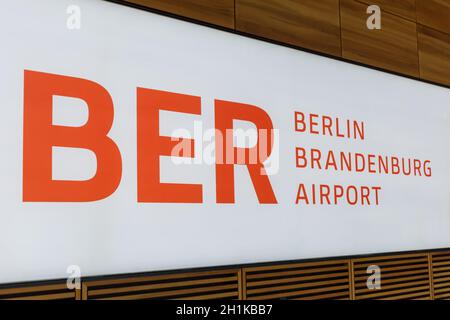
{"x": 218, "y": 12}
{"x": 434, "y": 55}
{"x": 434, "y": 14}
{"x": 310, "y": 24}
{"x": 393, "y": 48}
{"x": 403, "y": 8}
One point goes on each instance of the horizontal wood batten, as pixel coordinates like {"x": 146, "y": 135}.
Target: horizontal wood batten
{"x": 420, "y": 275}
{"x": 309, "y": 280}
{"x": 216, "y": 284}
{"x": 402, "y": 277}
{"x": 52, "y": 290}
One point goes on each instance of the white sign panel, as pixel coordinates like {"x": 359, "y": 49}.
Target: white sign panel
{"x": 135, "y": 142}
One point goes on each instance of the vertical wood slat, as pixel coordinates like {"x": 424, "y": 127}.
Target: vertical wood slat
{"x": 351, "y": 279}
{"x": 84, "y": 291}
{"x": 430, "y": 271}
{"x": 440, "y": 265}
{"x": 243, "y": 284}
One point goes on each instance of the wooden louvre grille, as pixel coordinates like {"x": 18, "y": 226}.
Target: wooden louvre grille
{"x": 302, "y": 281}
{"x": 402, "y": 277}
{"x": 48, "y": 291}
{"x": 217, "y": 284}
{"x": 440, "y": 262}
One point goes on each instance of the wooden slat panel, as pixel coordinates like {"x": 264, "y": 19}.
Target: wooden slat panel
{"x": 395, "y": 274}
{"x": 440, "y": 275}
{"x": 412, "y": 267}
{"x": 182, "y": 276}
{"x": 310, "y": 294}
{"x": 387, "y": 261}
{"x": 403, "y": 8}
{"x": 326, "y": 296}
{"x": 441, "y": 282}
{"x": 294, "y": 272}
{"x": 310, "y": 24}
{"x": 410, "y": 296}
{"x": 402, "y": 277}
{"x": 40, "y": 291}
{"x": 157, "y": 286}
{"x": 393, "y": 48}
{"x": 187, "y": 293}
{"x": 283, "y": 286}
{"x": 382, "y": 258}
{"x": 434, "y": 14}
{"x": 181, "y": 285}
{"x": 309, "y": 280}
{"x": 293, "y": 279}
{"x": 321, "y": 263}
{"x": 54, "y": 296}
{"x": 434, "y": 54}
{"x": 218, "y": 12}
{"x": 389, "y": 287}
{"x": 226, "y": 295}
{"x": 390, "y": 280}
